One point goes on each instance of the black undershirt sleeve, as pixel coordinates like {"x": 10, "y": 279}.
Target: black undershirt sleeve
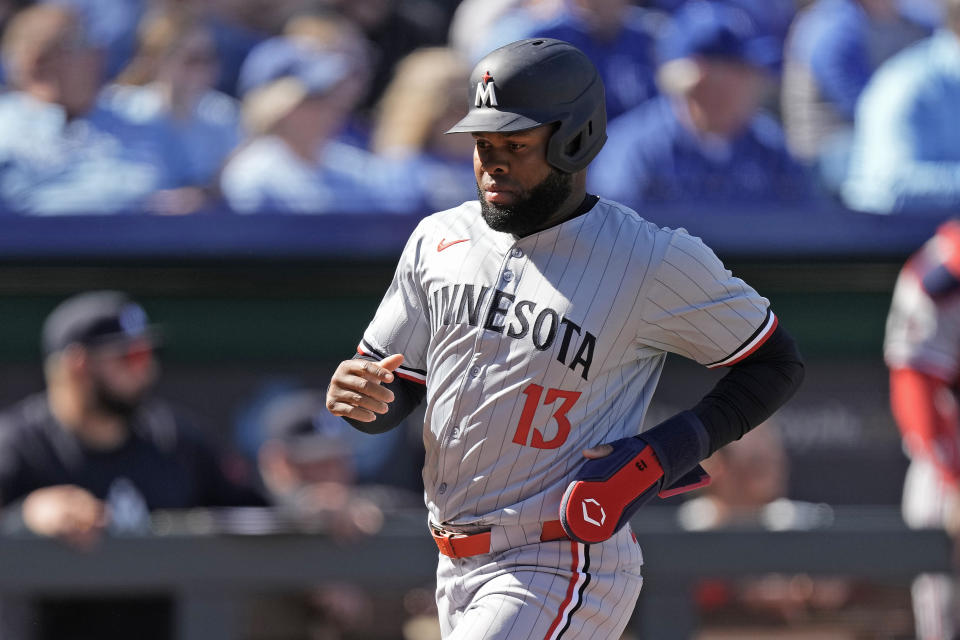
{"x": 752, "y": 390}
{"x": 407, "y": 396}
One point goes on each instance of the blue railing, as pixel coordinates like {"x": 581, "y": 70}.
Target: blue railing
{"x": 761, "y": 232}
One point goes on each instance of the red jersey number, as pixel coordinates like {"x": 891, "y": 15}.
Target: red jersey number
{"x": 534, "y": 392}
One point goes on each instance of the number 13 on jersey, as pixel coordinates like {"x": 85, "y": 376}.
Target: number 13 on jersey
{"x": 534, "y": 393}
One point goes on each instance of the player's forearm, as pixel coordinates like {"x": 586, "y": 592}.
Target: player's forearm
{"x": 752, "y": 390}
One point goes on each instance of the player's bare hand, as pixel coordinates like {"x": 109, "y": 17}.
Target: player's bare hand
{"x": 69, "y": 513}
{"x": 356, "y": 390}
{"x": 599, "y": 451}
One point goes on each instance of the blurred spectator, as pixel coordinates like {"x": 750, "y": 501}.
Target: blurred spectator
{"x": 749, "y": 490}
{"x": 60, "y": 152}
{"x": 95, "y": 454}
{"x": 333, "y": 33}
{"x": 412, "y": 121}
{"x": 704, "y": 140}
{"x": 617, "y": 36}
{"x": 479, "y": 26}
{"x": 833, "y": 49}
{"x": 395, "y": 28}
{"x": 233, "y": 42}
{"x": 906, "y": 147}
{"x": 772, "y": 19}
{"x": 171, "y": 79}
{"x": 747, "y": 478}
{"x": 264, "y": 16}
{"x": 95, "y": 451}
{"x": 111, "y": 26}
{"x": 292, "y": 106}
{"x": 391, "y": 458}
{"x": 307, "y": 462}
{"x": 668, "y": 6}
{"x": 9, "y": 8}
{"x": 473, "y": 23}
{"x": 925, "y": 13}
{"x": 922, "y": 350}
{"x": 237, "y": 26}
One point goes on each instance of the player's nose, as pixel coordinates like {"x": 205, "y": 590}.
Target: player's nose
{"x": 492, "y": 161}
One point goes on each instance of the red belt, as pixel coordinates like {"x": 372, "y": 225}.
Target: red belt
{"x": 463, "y": 545}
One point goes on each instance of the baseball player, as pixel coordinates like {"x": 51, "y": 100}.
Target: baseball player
{"x": 922, "y": 350}
{"x": 535, "y": 322}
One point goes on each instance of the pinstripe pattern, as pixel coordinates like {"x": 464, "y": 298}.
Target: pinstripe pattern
{"x": 637, "y": 290}
{"x": 532, "y": 350}
{"x": 551, "y": 591}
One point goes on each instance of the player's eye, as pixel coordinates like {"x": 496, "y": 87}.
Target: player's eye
{"x": 517, "y": 146}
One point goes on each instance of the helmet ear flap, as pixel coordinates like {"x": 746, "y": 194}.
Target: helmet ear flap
{"x": 577, "y": 142}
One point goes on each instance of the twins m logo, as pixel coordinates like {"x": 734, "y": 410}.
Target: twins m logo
{"x": 486, "y": 92}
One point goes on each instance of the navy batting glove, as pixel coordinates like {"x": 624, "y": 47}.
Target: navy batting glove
{"x": 606, "y": 492}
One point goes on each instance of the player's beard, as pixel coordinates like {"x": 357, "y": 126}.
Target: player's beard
{"x": 532, "y": 208}
{"x": 112, "y": 403}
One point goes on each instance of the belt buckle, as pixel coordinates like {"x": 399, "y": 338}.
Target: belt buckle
{"x": 441, "y": 532}
{"x": 445, "y": 539}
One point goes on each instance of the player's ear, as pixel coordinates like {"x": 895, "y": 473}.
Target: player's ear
{"x": 69, "y": 367}
{"x": 70, "y": 361}
{"x": 75, "y": 358}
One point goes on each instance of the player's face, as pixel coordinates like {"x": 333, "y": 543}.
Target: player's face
{"x": 518, "y": 190}
{"x": 121, "y": 376}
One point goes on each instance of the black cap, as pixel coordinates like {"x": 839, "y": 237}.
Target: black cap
{"x": 300, "y": 421}
{"x": 95, "y": 318}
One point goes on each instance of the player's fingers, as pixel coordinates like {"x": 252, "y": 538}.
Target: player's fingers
{"x": 599, "y": 451}
{"x": 391, "y": 362}
{"x": 357, "y": 399}
{"x": 87, "y": 513}
{"x": 376, "y": 373}
{"x": 345, "y": 410}
{"x": 362, "y": 386}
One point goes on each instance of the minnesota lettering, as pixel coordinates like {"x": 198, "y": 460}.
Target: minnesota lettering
{"x": 518, "y": 319}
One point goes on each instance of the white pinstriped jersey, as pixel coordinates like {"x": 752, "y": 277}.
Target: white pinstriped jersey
{"x": 533, "y": 349}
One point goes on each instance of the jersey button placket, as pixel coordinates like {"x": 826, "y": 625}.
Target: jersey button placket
{"x": 510, "y": 273}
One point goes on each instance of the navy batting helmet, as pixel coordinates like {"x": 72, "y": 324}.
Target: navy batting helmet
{"x": 540, "y": 81}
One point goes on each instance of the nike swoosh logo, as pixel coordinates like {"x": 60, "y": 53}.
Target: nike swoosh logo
{"x": 444, "y": 244}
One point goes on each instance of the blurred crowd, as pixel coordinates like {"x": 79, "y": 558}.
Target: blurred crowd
{"x": 97, "y": 453}
{"x": 314, "y": 106}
